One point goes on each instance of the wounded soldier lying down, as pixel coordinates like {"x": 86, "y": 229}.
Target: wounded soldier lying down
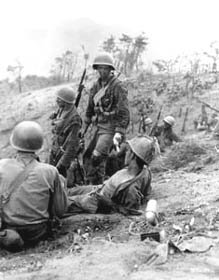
{"x": 126, "y": 190}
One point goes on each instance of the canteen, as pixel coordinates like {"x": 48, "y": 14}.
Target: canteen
{"x": 151, "y": 212}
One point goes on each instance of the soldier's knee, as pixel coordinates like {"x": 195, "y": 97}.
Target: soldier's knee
{"x": 96, "y": 158}
{"x": 11, "y": 240}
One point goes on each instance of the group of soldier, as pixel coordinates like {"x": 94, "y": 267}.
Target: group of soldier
{"x": 34, "y": 194}
{"x": 203, "y": 122}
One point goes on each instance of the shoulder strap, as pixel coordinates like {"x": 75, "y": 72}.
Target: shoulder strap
{"x": 20, "y": 178}
{"x": 126, "y": 184}
{"x": 98, "y": 95}
{"x": 114, "y": 82}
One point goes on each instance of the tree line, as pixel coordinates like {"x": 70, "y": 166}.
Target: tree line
{"x": 128, "y": 53}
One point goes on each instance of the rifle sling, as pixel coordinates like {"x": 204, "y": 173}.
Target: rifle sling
{"x": 111, "y": 83}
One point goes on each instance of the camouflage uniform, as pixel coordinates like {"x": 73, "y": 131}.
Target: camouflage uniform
{"x": 109, "y": 106}
{"x": 65, "y": 140}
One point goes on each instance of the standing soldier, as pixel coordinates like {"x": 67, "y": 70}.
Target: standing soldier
{"x": 66, "y": 126}
{"x": 108, "y": 103}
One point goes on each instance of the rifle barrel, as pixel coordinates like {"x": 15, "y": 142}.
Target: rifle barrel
{"x": 79, "y": 88}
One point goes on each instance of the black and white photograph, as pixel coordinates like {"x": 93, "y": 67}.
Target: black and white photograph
{"x": 109, "y": 140}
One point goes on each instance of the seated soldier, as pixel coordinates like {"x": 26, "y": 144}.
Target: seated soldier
{"x": 165, "y": 134}
{"x": 212, "y": 122}
{"x": 126, "y": 190}
{"x": 202, "y": 122}
{"x": 31, "y": 192}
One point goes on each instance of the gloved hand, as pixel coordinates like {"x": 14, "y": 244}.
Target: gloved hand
{"x": 62, "y": 170}
{"x": 117, "y": 139}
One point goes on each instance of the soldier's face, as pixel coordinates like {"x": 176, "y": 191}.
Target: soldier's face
{"x": 104, "y": 71}
{"x": 60, "y": 102}
{"x": 166, "y": 125}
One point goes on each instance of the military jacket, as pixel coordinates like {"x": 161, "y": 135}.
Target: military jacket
{"x": 29, "y": 204}
{"x": 66, "y": 135}
{"x": 109, "y": 107}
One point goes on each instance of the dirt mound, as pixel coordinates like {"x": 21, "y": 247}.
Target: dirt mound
{"x": 190, "y": 155}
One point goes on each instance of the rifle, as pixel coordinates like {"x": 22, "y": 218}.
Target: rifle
{"x": 185, "y": 119}
{"x": 80, "y": 88}
{"x": 156, "y": 123}
{"x": 207, "y": 105}
{"x": 142, "y": 124}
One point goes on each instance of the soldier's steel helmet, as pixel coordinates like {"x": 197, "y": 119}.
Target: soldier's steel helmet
{"x": 66, "y": 94}
{"x": 103, "y": 59}
{"x": 170, "y": 120}
{"x": 143, "y": 147}
{"x": 27, "y": 136}
{"x": 148, "y": 121}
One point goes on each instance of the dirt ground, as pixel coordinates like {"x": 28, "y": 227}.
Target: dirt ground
{"x": 109, "y": 247}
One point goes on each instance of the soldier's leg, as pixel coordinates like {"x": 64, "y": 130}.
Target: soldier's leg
{"x": 84, "y": 203}
{"x": 80, "y": 190}
{"x": 87, "y": 162}
{"x": 75, "y": 174}
{"x": 28, "y": 235}
{"x": 98, "y": 158}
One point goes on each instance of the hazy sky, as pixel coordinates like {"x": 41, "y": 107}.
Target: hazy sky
{"x": 172, "y": 26}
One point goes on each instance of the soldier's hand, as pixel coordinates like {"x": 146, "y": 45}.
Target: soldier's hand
{"x": 81, "y": 144}
{"x": 117, "y": 139}
{"x": 81, "y": 134}
{"x": 53, "y": 116}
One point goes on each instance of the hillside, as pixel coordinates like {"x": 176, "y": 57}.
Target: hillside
{"x": 108, "y": 249}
